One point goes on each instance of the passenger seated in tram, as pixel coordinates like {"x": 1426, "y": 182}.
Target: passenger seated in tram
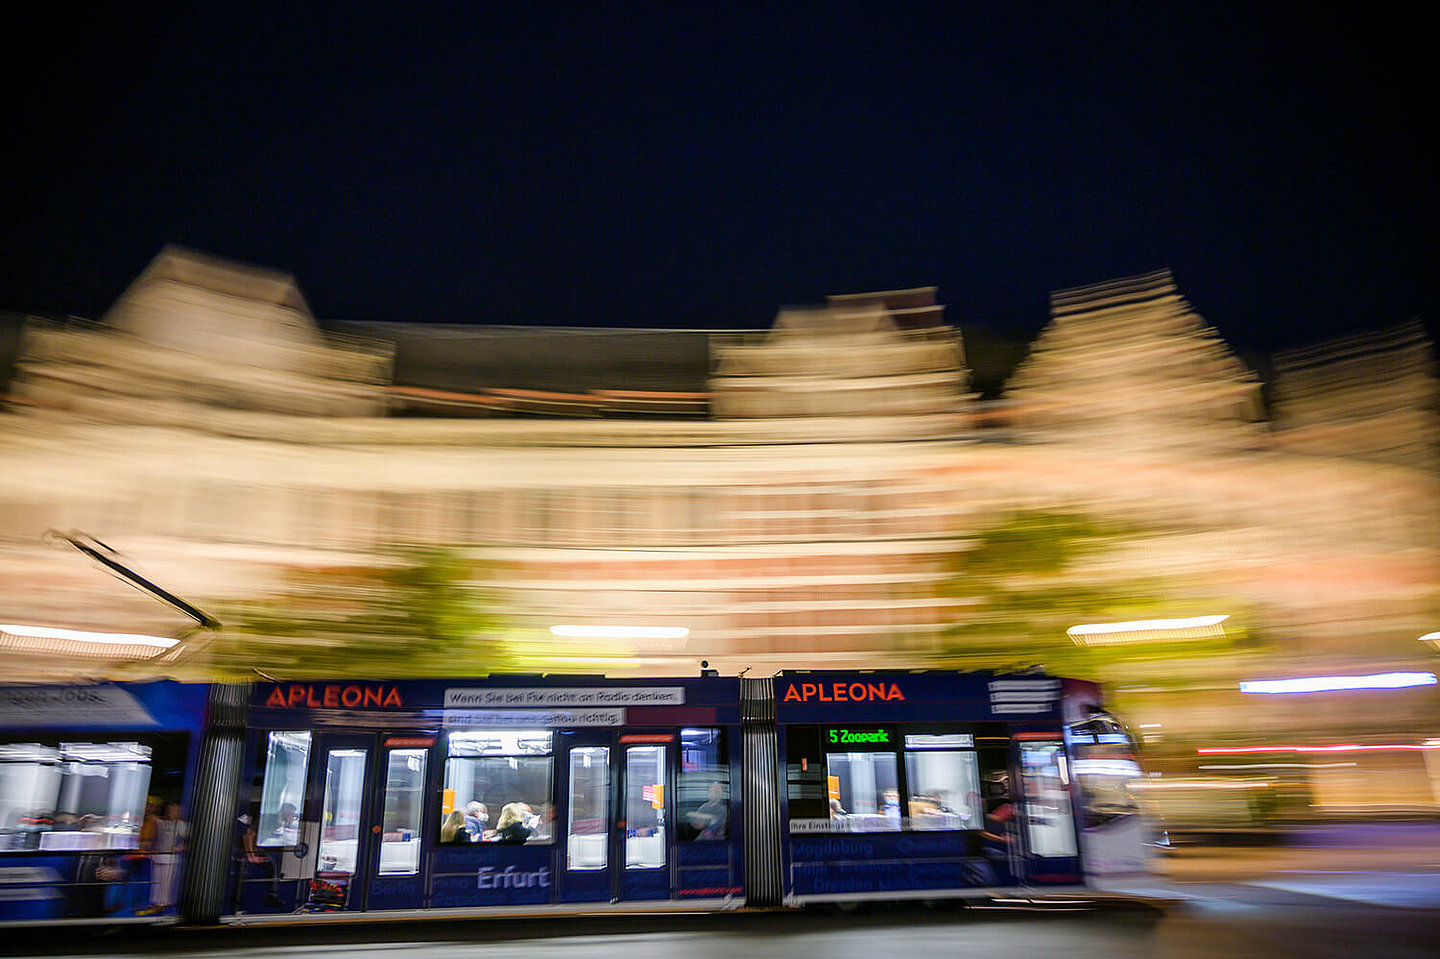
{"x": 541, "y": 825}
{"x": 925, "y": 806}
{"x": 452, "y": 831}
{"x": 511, "y": 828}
{"x": 287, "y": 826}
{"x": 712, "y": 817}
{"x": 476, "y": 819}
{"x": 837, "y": 811}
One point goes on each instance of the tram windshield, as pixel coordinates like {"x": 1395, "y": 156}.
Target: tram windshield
{"x": 1106, "y": 767}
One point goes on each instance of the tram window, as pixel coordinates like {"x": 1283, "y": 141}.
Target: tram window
{"x": 645, "y": 776}
{"x": 589, "y": 827}
{"x": 805, "y": 776}
{"x": 282, "y": 794}
{"x": 79, "y": 796}
{"x": 340, "y": 816}
{"x": 702, "y": 792}
{"x": 864, "y": 790}
{"x": 400, "y": 824}
{"x": 496, "y": 770}
{"x": 29, "y": 786}
{"x": 944, "y": 788}
{"x": 1045, "y": 782}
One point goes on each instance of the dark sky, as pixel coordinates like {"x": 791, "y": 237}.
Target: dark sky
{"x": 656, "y": 165}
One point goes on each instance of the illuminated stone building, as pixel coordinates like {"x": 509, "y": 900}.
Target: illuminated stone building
{"x": 1129, "y": 364}
{"x": 792, "y": 497}
{"x": 1371, "y": 396}
{"x": 880, "y": 354}
{"x": 195, "y": 334}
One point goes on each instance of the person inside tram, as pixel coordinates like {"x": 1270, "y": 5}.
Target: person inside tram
{"x": 287, "y": 825}
{"x": 1000, "y": 811}
{"x": 542, "y": 824}
{"x": 248, "y": 858}
{"x": 476, "y": 819}
{"x": 713, "y": 816}
{"x": 166, "y": 841}
{"x": 148, "y": 824}
{"x": 511, "y": 828}
{"x": 452, "y": 831}
{"x": 837, "y": 811}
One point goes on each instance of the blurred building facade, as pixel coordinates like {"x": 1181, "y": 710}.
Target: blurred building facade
{"x": 1370, "y": 397}
{"x": 1129, "y": 364}
{"x": 792, "y": 497}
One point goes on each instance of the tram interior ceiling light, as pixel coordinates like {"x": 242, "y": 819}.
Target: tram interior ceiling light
{"x": 1148, "y": 631}
{"x": 620, "y": 632}
{"x": 1321, "y": 684}
{"x": 1432, "y": 638}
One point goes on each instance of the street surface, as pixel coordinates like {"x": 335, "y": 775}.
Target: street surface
{"x": 1367, "y": 891}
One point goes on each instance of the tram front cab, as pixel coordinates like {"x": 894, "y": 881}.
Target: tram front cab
{"x": 924, "y": 784}
{"x": 500, "y": 792}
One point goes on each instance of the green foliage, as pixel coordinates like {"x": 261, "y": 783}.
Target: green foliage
{"x": 422, "y": 611}
{"x": 1039, "y": 543}
{"x": 1023, "y": 581}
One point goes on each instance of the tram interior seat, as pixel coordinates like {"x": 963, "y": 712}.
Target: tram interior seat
{"x": 400, "y": 857}
{"x": 80, "y": 840}
{"x": 338, "y": 855}
{"x": 645, "y": 852}
{"x": 587, "y": 851}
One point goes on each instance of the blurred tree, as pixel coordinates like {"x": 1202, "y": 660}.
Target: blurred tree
{"x": 1022, "y": 581}
{"x": 416, "y": 612}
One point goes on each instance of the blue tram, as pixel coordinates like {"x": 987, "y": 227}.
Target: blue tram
{"x": 470, "y": 793}
{"x": 560, "y": 792}
{"x": 93, "y": 780}
{"x": 936, "y": 784}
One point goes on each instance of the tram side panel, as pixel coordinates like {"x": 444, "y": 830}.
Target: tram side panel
{"x": 472, "y": 793}
{"x": 932, "y": 784}
{"x": 96, "y": 784}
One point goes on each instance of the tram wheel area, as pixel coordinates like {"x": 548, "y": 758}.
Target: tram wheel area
{"x": 342, "y": 929}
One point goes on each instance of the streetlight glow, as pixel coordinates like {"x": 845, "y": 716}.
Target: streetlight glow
{"x": 1147, "y": 630}
{"x": 82, "y": 636}
{"x": 620, "y": 632}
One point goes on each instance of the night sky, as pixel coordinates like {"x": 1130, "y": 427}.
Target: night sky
{"x": 658, "y": 166}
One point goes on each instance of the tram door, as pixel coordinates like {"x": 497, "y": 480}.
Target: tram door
{"x": 617, "y": 816}
{"x": 644, "y": 834}
{"x": 391, "y": 872}
{"x": 332, "y": 853}
{"x": 1046, "y": 805}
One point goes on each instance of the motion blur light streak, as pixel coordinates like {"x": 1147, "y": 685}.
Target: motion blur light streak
{"x": 1151, "y": 784}
{"x": 1147, "y": 630}
{"x": 79, "y": 636}
{"x": 1278, "y": 766}
{"x": 1107, "y": 767}
{"x": 1432, "y": 638}
{"x": 620, "y": 632}
{"x": 1318, "y": 684}
{"x": 1339, "y": 748}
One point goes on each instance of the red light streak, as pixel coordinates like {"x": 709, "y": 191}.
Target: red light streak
{"x": 1339, "y": 748}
